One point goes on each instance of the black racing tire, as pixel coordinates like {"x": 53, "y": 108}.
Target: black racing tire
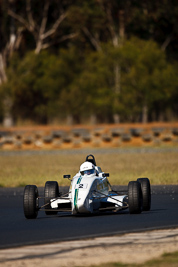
{"x": 51, "y": 191}
{"x": 146, "y": 193}
{"x": 30, "y": 201}
{"x": 135, "y": 200}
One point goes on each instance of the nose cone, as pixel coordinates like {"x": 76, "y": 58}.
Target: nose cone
{"x": 84, "y": 205}
{"x": 81, "y": 195}
{"x": 82, "y": 202}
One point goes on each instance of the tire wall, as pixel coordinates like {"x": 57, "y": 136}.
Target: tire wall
{"x": 89, "y": 136}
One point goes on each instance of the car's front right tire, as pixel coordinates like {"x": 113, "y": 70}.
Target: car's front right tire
{"x": 30, "y": 201}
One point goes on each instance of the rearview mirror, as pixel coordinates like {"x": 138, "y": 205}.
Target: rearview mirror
{"x": 105, "y": 174}
{"x": 66, "y": 176}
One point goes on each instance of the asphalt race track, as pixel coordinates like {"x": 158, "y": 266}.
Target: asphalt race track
{"x": 15, "y": 230}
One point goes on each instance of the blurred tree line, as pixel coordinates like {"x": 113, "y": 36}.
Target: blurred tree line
{"x": 98, "y": 60}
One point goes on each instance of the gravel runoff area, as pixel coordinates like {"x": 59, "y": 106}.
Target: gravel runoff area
{"x": 125, "y": 248}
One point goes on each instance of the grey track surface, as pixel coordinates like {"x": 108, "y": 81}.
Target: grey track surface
{"x": 15, "y": 230}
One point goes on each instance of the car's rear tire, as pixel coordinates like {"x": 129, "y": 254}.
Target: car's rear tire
{"x": 30, "y": 201}
{"x": 51, "y": 191}
{"x": 146, "y": 193}
{"x": 134, "y": 197}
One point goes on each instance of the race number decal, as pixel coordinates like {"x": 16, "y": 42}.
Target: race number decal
{"x": 81, "y": 186}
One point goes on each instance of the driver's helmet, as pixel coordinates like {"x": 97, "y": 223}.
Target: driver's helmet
{"x": 87, "y": 168}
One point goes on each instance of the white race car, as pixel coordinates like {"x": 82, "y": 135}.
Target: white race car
{"x": 90, "y": 192}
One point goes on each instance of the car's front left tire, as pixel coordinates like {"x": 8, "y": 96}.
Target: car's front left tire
{"x": 146, "y": 193}
{"x": 135, "y": 199}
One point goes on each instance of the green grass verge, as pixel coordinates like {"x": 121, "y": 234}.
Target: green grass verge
{"x": 167, "y": 259}
{"x": 19, "y": 170}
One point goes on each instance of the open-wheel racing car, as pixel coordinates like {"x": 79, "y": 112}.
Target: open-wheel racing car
{"x": 90, "y": 192}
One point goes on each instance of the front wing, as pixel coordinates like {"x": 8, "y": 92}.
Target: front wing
{"x": 106, "y": 202}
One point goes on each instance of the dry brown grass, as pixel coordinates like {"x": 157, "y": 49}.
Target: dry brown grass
{"x": 167, "y": 259}
{"x": 19, "y": 170}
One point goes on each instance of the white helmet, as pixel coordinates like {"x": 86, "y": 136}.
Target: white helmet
{"x": 87, "y": 168}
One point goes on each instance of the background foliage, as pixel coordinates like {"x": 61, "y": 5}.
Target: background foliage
{"x": 81, "y": 59}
